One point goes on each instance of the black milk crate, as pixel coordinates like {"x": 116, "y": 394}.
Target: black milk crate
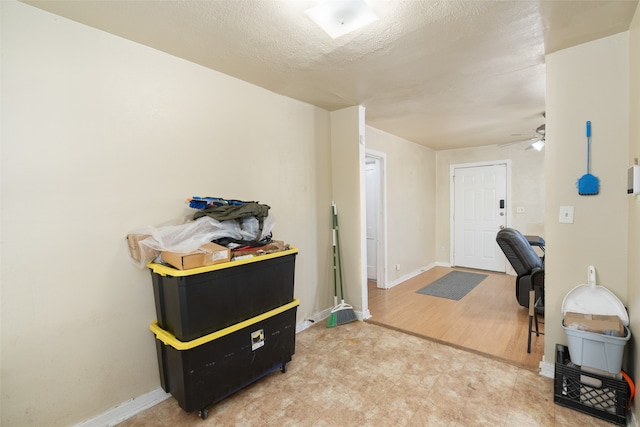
{"x": 204, "y": 371}
{"x": 196, "y": 302}
{"x": 597, "y": 395}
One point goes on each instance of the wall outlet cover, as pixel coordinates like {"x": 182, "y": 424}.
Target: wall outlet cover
{"x": 566, "y": 214}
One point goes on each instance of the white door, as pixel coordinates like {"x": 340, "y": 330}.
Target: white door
{"x": 480, "y": 210}
{"x": 372, "y": 178}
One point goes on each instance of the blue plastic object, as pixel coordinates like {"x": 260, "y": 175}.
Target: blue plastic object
{"x": 588, "y": 185}
{"x": 197, "y": 202}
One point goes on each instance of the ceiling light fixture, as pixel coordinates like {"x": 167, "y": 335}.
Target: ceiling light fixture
{"x": 538, "y": 145}
{"x": 339, "y": 17}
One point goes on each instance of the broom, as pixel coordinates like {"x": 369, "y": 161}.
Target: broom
{"x": 332, "y": 321}
{"x": 342, "y": 313}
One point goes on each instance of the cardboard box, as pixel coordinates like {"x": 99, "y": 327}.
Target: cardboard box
{"x": 137, "y": 252}
{"x": 595, "y": 323}
{"x": 207, "y": 254}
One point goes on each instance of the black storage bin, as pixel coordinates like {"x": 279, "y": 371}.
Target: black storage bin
{"x": 197, "y": 302}
{"x": 597, "y": 395}
{"x": 204, "y": 371}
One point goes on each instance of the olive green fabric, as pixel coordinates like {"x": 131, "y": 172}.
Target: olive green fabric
{"x": 237, "y": 212}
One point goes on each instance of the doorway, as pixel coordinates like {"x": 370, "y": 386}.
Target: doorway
{"x": 376, "y": 218}
{"x": 479, "y": 209}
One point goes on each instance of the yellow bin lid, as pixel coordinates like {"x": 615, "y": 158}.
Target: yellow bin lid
{"x": 169, "y": 339}
{"x": 164, "y": 270}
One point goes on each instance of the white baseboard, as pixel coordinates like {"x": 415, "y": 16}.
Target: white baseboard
{"x": 138, "y": 404}
{"x": 410, "y": 275}
{"x": 547, "y": 369}
{"x": 127, "y": 409}
{"x": 416, "y": 272}
{"x": 310, "y": 321}
{"x": 134, "y": 406}
{"x": 301, "y": 326}
{"x": 323, "y": 315}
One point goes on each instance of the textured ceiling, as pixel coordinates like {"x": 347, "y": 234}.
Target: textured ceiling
{"x": 441, "y": 73}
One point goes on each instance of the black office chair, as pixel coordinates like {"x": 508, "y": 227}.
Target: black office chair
{"x": 529, "y": 267}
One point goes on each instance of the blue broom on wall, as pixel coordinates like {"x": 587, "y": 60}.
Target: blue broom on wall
{"x": 588, "y": 185}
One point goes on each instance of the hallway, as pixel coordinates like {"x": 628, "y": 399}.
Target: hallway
{"x": 488, "y": 320}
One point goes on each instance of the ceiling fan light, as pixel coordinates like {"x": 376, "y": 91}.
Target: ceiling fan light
{"x": 339, "y": 17}
{"x": 538, "y": 145}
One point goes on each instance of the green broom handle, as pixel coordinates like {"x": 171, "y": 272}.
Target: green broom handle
{"x": 335, "y": 279}
{"x": 335, "y": 217}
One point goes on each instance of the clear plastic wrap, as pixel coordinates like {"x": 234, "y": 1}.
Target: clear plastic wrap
{"x": 146, "y": 243}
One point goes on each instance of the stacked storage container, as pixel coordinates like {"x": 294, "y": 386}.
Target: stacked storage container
{"x": 224, "y": 326}
{"x": 588, "y": 373}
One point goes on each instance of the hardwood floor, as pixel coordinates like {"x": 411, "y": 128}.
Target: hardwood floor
{"x": 487, "y": 320}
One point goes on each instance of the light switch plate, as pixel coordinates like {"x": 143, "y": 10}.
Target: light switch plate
{"x": 566, "y": 214}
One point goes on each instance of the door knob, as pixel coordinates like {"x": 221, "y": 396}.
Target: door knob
{"x": 502, "y": 227}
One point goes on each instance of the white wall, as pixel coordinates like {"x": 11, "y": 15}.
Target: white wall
{"x": 101, "y": 135}
{"x": 586, "y": 82}
{"x": 347, "y": 180}
{"x": 633, "y": 289}
{"x": 411, "y": 184}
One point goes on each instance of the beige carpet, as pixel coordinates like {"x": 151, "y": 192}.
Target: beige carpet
{"x": 361, "y": 374}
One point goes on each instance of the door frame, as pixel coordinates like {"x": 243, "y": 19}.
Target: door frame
{"x": 381, "y": 220}
{"x": 452, "y": 170}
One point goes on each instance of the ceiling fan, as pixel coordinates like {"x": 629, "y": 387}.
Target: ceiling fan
{"x": 539, "y": 139}
{"x": 536, "y": 142}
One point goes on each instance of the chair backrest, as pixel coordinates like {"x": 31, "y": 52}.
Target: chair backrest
{"x": 522, "y": 257}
